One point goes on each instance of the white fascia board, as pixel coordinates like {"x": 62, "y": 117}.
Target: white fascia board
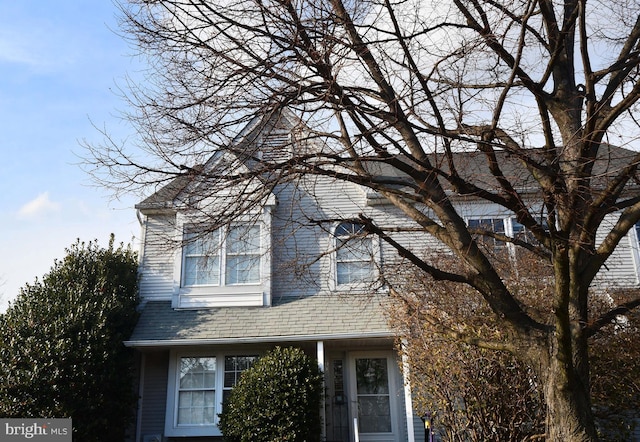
{"x": 247, "y": 340}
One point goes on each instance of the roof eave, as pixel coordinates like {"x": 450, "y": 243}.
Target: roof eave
{"x": 259, "y": 339}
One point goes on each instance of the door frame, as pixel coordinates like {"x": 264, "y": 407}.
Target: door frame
{"x": 394, "y": 395}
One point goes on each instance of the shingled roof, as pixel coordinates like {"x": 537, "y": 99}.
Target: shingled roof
{"x": 164, "y": 197}
{"x": 473, "y": 166}
{"x": 311, "y": 318}
{"x": 271, "y": 136}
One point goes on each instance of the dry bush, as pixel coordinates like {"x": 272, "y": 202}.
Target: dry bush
{"x": 478, "y": 390}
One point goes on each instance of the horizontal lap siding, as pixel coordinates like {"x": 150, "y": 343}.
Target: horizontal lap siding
{"x": 302, "y": 233}
{"x": 296, "y": 243}
{"x": 302, "y": 247}
{"x": 157, "y": 263}
{"x": 422, "y": 243}
{"x": 154, "y": 393}
{"x": 620, "y": 269}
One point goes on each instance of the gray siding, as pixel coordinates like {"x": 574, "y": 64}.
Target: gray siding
{"x": 154, "y": 393}
{"x": 296, "y": 244}
{"x": 301, "y": 247}
{"x": 157, "y": 260}
{"x": 620, "y": 269}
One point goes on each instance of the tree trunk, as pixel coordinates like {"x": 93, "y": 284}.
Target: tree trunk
{"x": 566, "y": 392}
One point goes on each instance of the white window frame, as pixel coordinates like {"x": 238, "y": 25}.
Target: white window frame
{"x": 634, "y": 239}
{"x": 506, "y": 227}
{"x": 222, "y": 253}
{"x": 172, "y": 428}
{"x": 508, "y": 221}
{"x": 252, "y": 294}
{"x": 528, "y": 236}
{"x": 203, "y": 388}
{"x": 375, "y": 262}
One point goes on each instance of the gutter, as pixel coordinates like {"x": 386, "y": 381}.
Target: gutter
{"x": 248, "y": 340}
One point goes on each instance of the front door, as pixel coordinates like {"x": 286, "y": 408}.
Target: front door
{"x": 373, "y": 397}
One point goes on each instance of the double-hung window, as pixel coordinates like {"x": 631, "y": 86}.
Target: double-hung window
{"x": 242, "y": 254}
{"x": 198, "y": 387}
{"x": 354, "y": 255}
{"x": 233, "y": 368}
{"x": 522, "y": 233}
{"x": 196, "y": 391}
{"x": 223, "y": 267}
{"x": 201, "y": 260}
{"x": 494, "y": 225}
{"x": 505, "y": 227}
{"x": 222, "y": 257}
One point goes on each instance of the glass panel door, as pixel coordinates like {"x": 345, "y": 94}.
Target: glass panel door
{"x": 373, "y": 398}
{"x": 372, "y": 390}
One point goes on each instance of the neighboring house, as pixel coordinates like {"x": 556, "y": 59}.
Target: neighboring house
{"x": 215, "y": 300}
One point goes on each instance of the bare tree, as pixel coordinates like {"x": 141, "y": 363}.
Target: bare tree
{"x": 427, "y": 103}
{"x": 476, "y": 394}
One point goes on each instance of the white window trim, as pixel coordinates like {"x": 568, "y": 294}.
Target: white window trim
{"x": 634, "y": 240}
{"x": 171, "y": 428}
{"x": 507, "y": 220}
{"x": 236, "y": 295}
{"x": 223, "y": 255}
{"x": 506, "y": 224}
{"x": 358, "y": 286}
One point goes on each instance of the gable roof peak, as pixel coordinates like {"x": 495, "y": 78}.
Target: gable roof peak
{"x": 268, "y": 137}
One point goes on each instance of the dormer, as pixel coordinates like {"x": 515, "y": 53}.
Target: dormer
{"x": 208, "y": 241}
{"x": 223, "y": 266}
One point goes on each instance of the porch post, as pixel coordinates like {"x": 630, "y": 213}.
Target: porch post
{"x": 320, "y": 357}
{"x": 408, "y": 402}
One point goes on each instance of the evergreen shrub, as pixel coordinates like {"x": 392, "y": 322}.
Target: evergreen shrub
{"x": 277, "y": 399}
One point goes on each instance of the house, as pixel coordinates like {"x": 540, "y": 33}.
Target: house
{"x": 215, "y": 298}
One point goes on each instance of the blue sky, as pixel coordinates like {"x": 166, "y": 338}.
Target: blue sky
{"x": 60, "y": 62}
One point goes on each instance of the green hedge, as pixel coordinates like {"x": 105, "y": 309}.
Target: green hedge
{"x": 61, "y": 344}
{"x": 277, "y": 399}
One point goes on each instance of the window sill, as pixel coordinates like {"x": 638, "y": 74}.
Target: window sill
{"x": 193, "y": 431}
{"x": 360, "y": 288}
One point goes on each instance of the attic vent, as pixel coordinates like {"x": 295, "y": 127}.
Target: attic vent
{"x": 276, "y": 145}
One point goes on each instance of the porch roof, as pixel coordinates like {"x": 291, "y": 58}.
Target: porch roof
{"x": 315, "y": 317}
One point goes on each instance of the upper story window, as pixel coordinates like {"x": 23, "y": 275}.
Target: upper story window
{"x": 223, "y": 257}
{"x": 507, "y": 227}
{"x": 522, "y": 233}
{"x": 228, "y": 266}
{"x": 355, "y": 255}
{"x": 495, "y": 225}
{"x": 201, "y": 259}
